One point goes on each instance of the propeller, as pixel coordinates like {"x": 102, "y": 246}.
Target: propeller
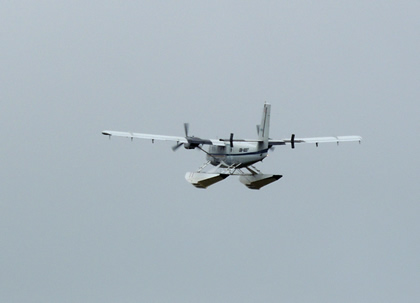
{"x": 186, "y": 128}
{"x": 231, "y": 140}
{"x": 292, "y": 140}
{"x": 175, "y": 147}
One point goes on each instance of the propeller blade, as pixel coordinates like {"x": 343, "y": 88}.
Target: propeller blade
{"x": 175, "y": 147}
{"x": 231, "y": 139}
{"x": 292, "y": 140}
{"x": 186, "y": 128}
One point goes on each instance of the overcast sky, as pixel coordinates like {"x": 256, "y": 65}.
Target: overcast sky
{"x": 87, "y": 219}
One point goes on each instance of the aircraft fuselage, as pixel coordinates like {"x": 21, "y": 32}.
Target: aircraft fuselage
{"x": 241, "y": 154}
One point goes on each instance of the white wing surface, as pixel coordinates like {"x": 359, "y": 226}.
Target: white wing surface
{"x": 144, "y": 136}
{"x": 162, "y": 137}
{"x": 316, "y": 140}
{"x": 331, "y": 139}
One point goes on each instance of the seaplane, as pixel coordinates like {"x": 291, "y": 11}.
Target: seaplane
{"x": 231, "y": 156}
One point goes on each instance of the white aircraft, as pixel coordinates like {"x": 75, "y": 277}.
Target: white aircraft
{"x": 233, "y": 156}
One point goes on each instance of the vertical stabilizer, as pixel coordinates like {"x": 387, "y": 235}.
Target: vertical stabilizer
{"x": 264, "y": 127}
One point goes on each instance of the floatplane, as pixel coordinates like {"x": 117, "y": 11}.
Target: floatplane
{"x": 233, "y": 157}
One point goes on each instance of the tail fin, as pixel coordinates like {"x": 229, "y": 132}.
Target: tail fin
{"x": 264, "y": 127}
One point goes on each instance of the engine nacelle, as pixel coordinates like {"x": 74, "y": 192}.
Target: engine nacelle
{"x": 189, "y": 146}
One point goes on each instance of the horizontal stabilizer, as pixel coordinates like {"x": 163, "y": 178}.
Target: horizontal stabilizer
{"x": 259, "y": 180}
{"x": 204, "y": 180}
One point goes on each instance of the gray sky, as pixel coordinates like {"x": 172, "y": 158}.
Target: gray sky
{"x": 85, "y": 219}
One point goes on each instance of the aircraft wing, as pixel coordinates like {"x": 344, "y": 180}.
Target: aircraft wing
{"x": 162, "y": 138}
{"x": 315, "y": 140}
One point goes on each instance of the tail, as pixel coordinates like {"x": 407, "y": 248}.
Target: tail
{"x": 264, "y": 128}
